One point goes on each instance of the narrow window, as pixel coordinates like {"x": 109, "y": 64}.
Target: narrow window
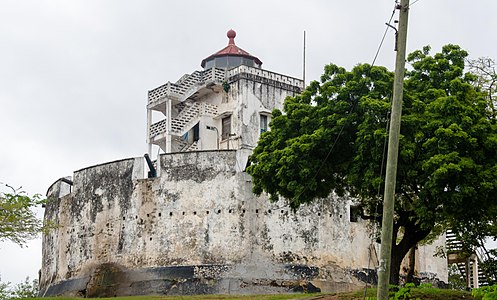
{"x": 355, "y": 213}
{"x": 226, "y": 129}
{"x": 263, "y": 123}
{"x": 196, "y": 132}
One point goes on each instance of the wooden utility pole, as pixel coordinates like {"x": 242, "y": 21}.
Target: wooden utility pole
{"x": 392, "y": 158}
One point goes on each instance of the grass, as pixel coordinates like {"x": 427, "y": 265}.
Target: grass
{"x": 422, "y": 293}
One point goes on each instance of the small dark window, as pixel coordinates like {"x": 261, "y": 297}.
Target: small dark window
{"x": 355, "y": 213}
{"x": 196, "y": 132}
{"x": 263, "y": 123}
{"x": 226, "y": 128}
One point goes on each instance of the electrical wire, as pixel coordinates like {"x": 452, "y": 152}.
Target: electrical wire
{"x": 352, "y": 109}
{"x": 414, "y": 2}
{"x": 384, "y": 34}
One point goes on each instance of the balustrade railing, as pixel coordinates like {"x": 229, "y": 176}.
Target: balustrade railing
{"x": 186, "y": 86}
{"x": 184, "y": 120}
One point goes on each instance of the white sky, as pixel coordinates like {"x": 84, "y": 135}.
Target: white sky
{"x": 74, "y": 75}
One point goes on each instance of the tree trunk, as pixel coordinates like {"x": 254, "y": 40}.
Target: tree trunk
{"x": 413, "y": 234}
{"x": 412, "y": 265}
{"x": 398, "y": 254}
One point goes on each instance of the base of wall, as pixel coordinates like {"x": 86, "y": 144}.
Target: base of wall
{"x": 110, "y": 280}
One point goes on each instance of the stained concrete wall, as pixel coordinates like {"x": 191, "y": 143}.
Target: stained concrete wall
{"x": 247, "y": 98}
{"x": 197, "y": 228}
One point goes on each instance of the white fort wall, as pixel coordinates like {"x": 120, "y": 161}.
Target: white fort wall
{"x": 197, "y": 228}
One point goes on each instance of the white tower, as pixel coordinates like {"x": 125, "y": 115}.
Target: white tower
{"x": 225, "y": 106}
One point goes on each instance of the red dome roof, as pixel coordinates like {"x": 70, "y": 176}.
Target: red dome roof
{"x": 231, "y": 50}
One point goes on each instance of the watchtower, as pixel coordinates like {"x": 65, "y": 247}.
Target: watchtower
{"x": 227, "y": 105}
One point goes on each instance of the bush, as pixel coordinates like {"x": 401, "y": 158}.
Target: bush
{"x": 485, "y": 293}
{"x": 25, "y": 289}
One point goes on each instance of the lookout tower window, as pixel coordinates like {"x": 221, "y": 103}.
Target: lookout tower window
{"x": 196, "y": 132}
{"x": 263, "y": 123}
{"x": 355, "y": 213}
{"x": 226, "y": 127}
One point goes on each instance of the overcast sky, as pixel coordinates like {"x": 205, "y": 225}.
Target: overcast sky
{"x": 74, "y": 75}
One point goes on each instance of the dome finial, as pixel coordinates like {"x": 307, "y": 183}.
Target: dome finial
{"x": 231, "y": 35}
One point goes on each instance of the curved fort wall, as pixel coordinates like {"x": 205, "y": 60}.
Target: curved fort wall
{"x": 196, "y": 228}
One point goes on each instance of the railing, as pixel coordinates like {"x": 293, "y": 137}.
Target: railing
{"x": 265, "y": 74}
{"x": 213, "y": 75}
{"x": 467, "y": 260}
{"x": 169, "y": 89}
{"x": 188, "y": 117}
{"x": 158, "y": 128}
{"x": 186, "y": 86}
{"x": 209, "y": 109}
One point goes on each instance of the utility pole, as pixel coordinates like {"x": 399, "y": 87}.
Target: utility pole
{"x": 393, "y": 152}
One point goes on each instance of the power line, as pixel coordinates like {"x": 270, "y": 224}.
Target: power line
{"x": 352, "y": 108}
{"x": 412, "y": 3}
{"x": 384, "y": 34}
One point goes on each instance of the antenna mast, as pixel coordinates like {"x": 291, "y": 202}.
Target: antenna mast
{"x": 303, "y": 65}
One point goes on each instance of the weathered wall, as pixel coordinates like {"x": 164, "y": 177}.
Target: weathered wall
{"x": 254, "y": 97}
{"x": 197, "y": 228}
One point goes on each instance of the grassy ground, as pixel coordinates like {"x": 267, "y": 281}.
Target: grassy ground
{"x": 416, "y": 293}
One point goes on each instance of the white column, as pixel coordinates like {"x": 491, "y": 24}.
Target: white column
{"x": 168, "y": 127}
{"x": 475, "y": 271}
{"x": 149, "y": 123}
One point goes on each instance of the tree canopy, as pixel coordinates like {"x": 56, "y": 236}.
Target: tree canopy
{"x": 331, "y": 138}
{"x": 18, "y": 221}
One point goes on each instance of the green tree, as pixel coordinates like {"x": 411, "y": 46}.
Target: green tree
{"x": 333, "y": 135}
{"x": 486, "y": 78}
{"x": 18, "y": 221}
{"x": 26, "y": 289}
{"x": 4, "y": 290}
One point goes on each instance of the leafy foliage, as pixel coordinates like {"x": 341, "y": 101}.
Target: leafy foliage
{"x": 485, "y": 293}
{"x": 4, "y": 290}
{"x": 485, "y": 78}
{"x": 456, "y": 280}
{"x": 489, "y": 266}
{"x": 18, "y": 222}
{"x": 333, "y": 135}
{"x": 423, "y": 291}
{"x": 26, "y": 289}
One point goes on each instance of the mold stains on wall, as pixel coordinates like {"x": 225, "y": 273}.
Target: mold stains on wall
{"x": 196, "y": 228}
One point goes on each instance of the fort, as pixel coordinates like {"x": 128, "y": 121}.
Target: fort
{"x": 188, "y": 223}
